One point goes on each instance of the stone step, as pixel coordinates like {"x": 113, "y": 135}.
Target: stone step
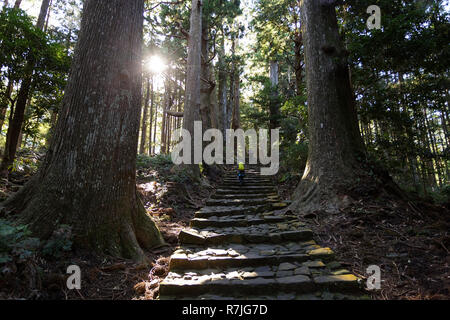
{"x": 246, "y": 189}
{"x": 235, "y": 221}
{"x": 210, "y": 211}
{"x": 286, "y": 277}
{"x": 243, "y": 246}
{"x": 272, "y": 296}
{"x": 262, "y": 233}
{"x": 247, "y": 178}
{"x": 233, "y": 192}
{"x": 221, "y": 211}
{"x": 196, "y": 257}
{"x": 239, "y": 195}
{"x": 234, "y": 202}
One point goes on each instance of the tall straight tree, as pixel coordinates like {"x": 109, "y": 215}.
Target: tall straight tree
{"x": 274, "y": 96}
{"x": 222, "y": 90}
{"x": 152, "y": 98}
{"x": 193, "y": 85}
{"x": 15, "y": 126}
{"x": 335, "y": 162}
{"x": 145, "y": 119}
{"x": 87, "y": 180}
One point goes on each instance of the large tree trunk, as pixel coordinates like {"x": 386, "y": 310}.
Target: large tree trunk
{"x": 222, "y": 90}
{"x": 208, "y": 107}
{"x": 15, "y": 126}
{"x": 193, "y": 85}
{"x": 336, "y": 150}
{"x": 87, "y": 180}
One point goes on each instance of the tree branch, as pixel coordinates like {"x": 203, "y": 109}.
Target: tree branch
{"x": 166, "y": 2}
{"x": 174, "y": 113}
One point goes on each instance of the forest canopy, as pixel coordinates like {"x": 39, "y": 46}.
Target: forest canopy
{"x": 95, "y": 95}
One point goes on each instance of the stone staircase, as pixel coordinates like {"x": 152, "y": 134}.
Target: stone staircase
{"x": 241, "y": 246}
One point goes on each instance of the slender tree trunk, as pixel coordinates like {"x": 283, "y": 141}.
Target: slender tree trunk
{"x": 17, "y": 4}
{"x": 336, "y": 149}
{"x": 298, "y": 63}
{"x": 152, "y": 98}
{"x": 274, "y": 97}
{"x": 87, "y": 180}
{"x": 48, "y": 16}
{"x": 193, "y": 85}
{"x": 15, "y": 126}
{"x": 236, "y": 115}
{"x": 154, "y": 130}
{"x": 5, "y": 102}
{"x": 144, "y": 119}
{"x": 166, "y": 106}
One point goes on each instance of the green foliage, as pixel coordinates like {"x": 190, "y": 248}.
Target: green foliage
{"x": 20, "y": 41}
{"x": 399, "y": 74}
{"x": 158, "y": 162}
{"x": 18, "y": 244}
{"x": 24, "y": 47}
{"x": 442, "y": 195}
{"x": 59, "y": 243}
{"x": 276, "y": 22}
{"x": 16, "y": 241}
{"x": 295, "y": 156}
{"x": 26, "y": 162}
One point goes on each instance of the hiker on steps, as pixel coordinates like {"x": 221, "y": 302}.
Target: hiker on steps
{"x": 241, "y": 173}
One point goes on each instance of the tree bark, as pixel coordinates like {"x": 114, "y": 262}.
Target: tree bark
{"x": 274, "y": 96}
{"x": 193, "y": 85}
{"x": 5, "y": 100}
{"x": 144, "y": 119}
{"x": 298, "y": 63}
{"x": 152, "y": 98}
{"x": 166, "y": 106}
{"x": 336, "y": 150}
{"x": 236, "y": 114}
{"x": 87, "y": 180}
{"x": 222, "y": 90}
{"x": 154, "y": 130}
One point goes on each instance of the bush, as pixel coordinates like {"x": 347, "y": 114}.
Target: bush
{"x": 442, "y": 195}
{"x": 16, "y": 241}
{"x": 294, "y": 157}
{"x": 59, "y": 242}
{"x": 158, "y": 162}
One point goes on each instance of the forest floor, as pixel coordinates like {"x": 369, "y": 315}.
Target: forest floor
{"x": 172, "y": 206}
{"x": 409, "y": 242}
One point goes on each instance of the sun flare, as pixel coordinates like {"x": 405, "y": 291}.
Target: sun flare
{"x": 156, "y": 64}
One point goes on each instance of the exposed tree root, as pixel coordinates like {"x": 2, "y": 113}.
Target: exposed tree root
{"x": 121, "y": 229}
